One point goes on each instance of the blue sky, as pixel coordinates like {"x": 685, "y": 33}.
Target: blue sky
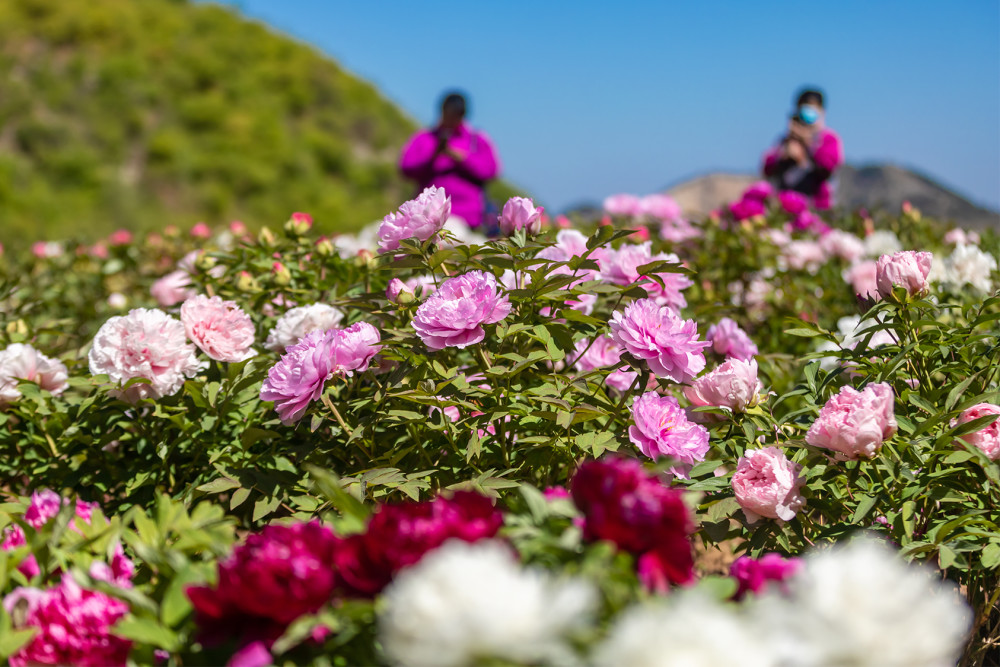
{"x": 585, "y": 99}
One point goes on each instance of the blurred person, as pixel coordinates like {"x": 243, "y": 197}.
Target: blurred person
{"x": 455, "y": 157}
{"x": 806, "y": 157}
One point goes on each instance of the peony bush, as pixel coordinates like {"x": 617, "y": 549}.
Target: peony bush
{"x": 766, "y": 437}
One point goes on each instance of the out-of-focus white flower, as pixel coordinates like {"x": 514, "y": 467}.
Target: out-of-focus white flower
{"x": 466, "y": 235}
{"x": 966, "y": 265}
{"x": 851, "y": 330}
{"x": 802, "y": 254}
{"x": 350, "y": 245}
{"x": 859, "y": 604}
{"x": 297, "y": 322}
{"x": 882, "y": 242}
{"x": 959, "y": 236}
{"x": 472, "y": 602}
{"x": 838, "y": 243}
{"x": 687, "y": 630}
{"x": 117, "y": 300}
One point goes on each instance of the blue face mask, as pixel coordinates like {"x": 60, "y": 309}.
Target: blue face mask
{"x": 808, "y": 114}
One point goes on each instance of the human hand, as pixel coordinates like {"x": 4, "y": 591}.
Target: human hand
{"x": 456, "y": 154}
{"x": 796, "y": 150}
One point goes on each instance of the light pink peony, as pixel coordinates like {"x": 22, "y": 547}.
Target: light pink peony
{"x": 727, "y": 338}
{"x": 624, "y": 205}
{"x": 395, "y": 288}
{"x": 297, "y": 322}
{"x": 662, "y": 207}
{"x": 908, "y": 269}
{"x": 861, "y": 276}
{"x": 300, "y": 375}
{"x": 733, "y": 385}
{"x": 604, "y": 353}
{"x": 418, "y": 218}
{"x": 21, "y": 362}
{"x": 662, "y": 429}
{"x": 144, "y": 344}
{"x": 172, "y": 288}
{"x": 621, "y": 267}
{"x": 521, "y": 213}
{"x": 803, "y": 254}
{"x": 678, "y": 231}
{"x": 74, "y": 626}
{"x": 454, "y": 315}
{"x": 220, "y": 328}
{"x": 855, "y": 423}
{"x": 767, "y": 484}
{"x": 987, "y": 438}
{"x": 959, "y": 236}
{"x": 656, "y": 334}
{"x": 846, "y": 246}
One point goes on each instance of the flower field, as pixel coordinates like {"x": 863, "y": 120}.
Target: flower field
{"x": 768, "y": 437}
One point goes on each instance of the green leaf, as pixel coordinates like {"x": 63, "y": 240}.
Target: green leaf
{"x": 147, "y": 631}
{"x": 989, "y": 558}
{"x": 864, "y": 507}
{"x": 238, "y": 498}
{"x": 12, "y": 640}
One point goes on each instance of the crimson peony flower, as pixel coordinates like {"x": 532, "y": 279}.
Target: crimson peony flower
{"x": 220, "y": 328}
{"x": 418, "y": 218}
{"x": 662, "y": 429}
{"x": 855, "y": 423}
{"x": 747, "y": 208}
{"x": 624, "y": 504}
{"x": 767, "y": 484}
{"x": 668, "y": 344}
{"x": 453, "y": 315}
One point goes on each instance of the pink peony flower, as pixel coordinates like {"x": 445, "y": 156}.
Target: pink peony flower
{"x": 747, "y": 208}
{"x": 678, "y": 231}
{"x": 144, "y": 344}
{"x": 604, "y": 353}
{"x": 861, "y": 276}
{"x": 959, "y": 236}
{"x": 621, "y": 267}
{"x": 74, "y": 626}
{"x": 300, "y": 375}
{"x": 668, "y": 344}
{"x": 662, "y": 429}
{"x": 120, "y": 237}
{"x": 660, "y": 206}
{"x": 757, "y": 575}
{"x": 46, "y": 249}
{"x": 847, "y": 246}
{"x": 987, "y": 439}
{"x": 20, "y": 362}
{"x": 907, "y": 269}
{"x": 201, "y": 231}
{"x": 793, "y": 202}
{"x": 767, "y": 484}
{"x": 729, "y": 339}
{"x": 220, "y": 328}
{"x": 733, "y": 385}
{"x": 627, "y": 506}
{"x": 623, "y": 205}
{"x": 807, "y": 221}
{"x": 803, "y": 254}
{"x": 855, "y": 423}
{"x": 454, "y": 315}
{"x": 760, "y": 191}
{"x": 395, "y": 288}
{"x": 42, "y": 507}
{"x": 297, "y": 322}
{"x": 521, "y": 213}
{"x": 172, "y": 288}
{"x": 418, "y": 218}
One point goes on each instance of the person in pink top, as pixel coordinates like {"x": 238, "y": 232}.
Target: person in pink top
{"x": 805, "y": 159}
{"x": 455, "y": 157}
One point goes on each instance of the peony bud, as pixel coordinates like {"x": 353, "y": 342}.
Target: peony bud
{"x": 520, "y": 213}
{"x": 396, "y": 288}
{"x": 280, "y": 274}
{"x": 201, "y": 231}
{"x": 265, "y": 237}
{"x": 246, "y": 282}
{"x": 120, "y": 237}
{"x": 299, "y": 224}
{"x": 204, "y": 261}
{"x": 325, "y": 247}
{"x": 238, "y": 228}
{"x": 171, "y": 231}
{"x": 908, "y": 269}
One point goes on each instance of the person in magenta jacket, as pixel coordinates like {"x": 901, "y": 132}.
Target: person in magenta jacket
{"x": 455, "y": 157}
{"x": 805, "y": 159}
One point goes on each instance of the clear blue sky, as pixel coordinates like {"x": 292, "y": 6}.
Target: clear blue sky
{"x": 585, "y": 99}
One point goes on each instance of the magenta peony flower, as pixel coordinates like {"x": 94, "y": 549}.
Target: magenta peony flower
{"x": 20, "y": 362}
{"x": 300, "y": 375}
{"x": 757, "y": 575}
{"x": 727, "y": 338}
{"x": 418, "y": 218}
{"x": 733, "y": 385}
{"x": 627, "y": 506}
{"x": 172, "y": 288}
{"x": 144, "y": 344}
{"x": 747, "y": 208}
{"x": 855, "y": 423}
{"x": 621, "y": 268}
{"x": 220, "y": 328}
{"x": 74, "y": 626}
{"x": 793, "y": 202}
{"x": 623, "y": 205}
{"x": 454, "y": 315}
{"x": 668, "y": 344}
{"x": 767, "y": 484}
{"x": 760, "y": 191}
{"x": 276, "y": 576}
{"x": 521, "y": 213}
{"x": 907, "y": 269}
{"x": 987, "y": 439}
{"x": 662, "y": 429}
{"x": 861, "y": 276}
{"x": 604, "y": 353}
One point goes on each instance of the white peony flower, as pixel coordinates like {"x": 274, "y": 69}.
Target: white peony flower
{"x": 966, "y": 265}
{"x": 882, "y": 242}
{"x": 351, "y": 245}
{"x": 465, "y": 603}
{"x": 22, "y": 362}
{"x": 859, "y": 604}
{"x": 687, "y": 630}
{"x": 146, "y": 343}
{"x": 297, "y": 322}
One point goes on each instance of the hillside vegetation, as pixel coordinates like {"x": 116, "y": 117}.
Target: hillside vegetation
{"x": 118, "y": 113}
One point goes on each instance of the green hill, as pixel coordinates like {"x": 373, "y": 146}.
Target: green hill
{"x": 141, "y": 113}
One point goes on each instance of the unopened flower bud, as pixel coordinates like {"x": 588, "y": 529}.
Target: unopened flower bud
{"x": 281, "y": 274}
{"x": 204, "y": 261}
{"x": 325, "y": 247}
{"x": 265, "y": 236}
{"x": 246, "y": 282}
{"x": 201, "y": 231}
{"x": 298, "y": 224}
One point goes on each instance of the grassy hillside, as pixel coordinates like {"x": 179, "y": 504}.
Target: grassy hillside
{"x": 140, "y": 113}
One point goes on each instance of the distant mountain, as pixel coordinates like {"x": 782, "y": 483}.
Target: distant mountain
{"x": 872, "y": 186}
